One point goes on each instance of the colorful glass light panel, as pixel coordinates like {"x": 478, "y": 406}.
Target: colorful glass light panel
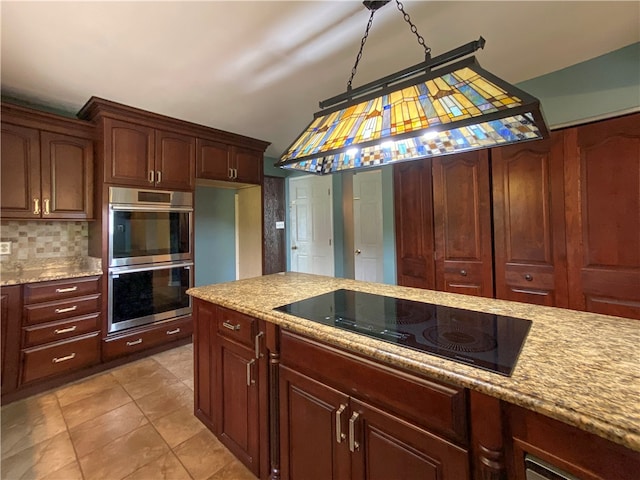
{"x": 446, "y": 99}
{"x": 480, "y": 135}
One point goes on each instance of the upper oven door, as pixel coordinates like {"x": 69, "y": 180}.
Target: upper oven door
{"x": 146, "y": 232}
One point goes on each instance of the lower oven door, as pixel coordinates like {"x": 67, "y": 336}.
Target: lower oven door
{"x": 145, "y": 294}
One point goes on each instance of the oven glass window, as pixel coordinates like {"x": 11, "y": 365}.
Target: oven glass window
{"x": 148, "y": 295}
{"x": 140, "y": 233}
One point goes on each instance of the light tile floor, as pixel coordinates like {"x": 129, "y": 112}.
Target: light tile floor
{"x": 134, "y": 422}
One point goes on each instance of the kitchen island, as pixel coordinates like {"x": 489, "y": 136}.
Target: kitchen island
{"x": 578, "y": 368}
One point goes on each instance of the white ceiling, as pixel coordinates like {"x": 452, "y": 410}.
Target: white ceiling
{"x": 259, "y": 68}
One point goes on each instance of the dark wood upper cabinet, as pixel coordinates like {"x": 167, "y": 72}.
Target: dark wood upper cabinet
{"x": 129, "y": 157}
{"x": 413, "y": 204}
{"x": 462, "y": 224}
{"x": 142, "y": 156}
{"x": 47, "y": 166}
{"x": 528, "y": 222}
{"x": 20, "y": 195}
{"x": 602, "y": 184}
{"x": 228, "y": 163}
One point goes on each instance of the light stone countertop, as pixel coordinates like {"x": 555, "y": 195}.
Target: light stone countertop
{"x": 49, "y": 269}
{"x": 580, "y": 368}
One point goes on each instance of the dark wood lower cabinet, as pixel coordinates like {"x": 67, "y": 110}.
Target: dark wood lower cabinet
{"x": 10, "y": 320}
{"x": 327, "y": 433}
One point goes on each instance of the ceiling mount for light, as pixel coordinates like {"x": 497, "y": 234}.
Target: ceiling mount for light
{"x": 415, "y": 113}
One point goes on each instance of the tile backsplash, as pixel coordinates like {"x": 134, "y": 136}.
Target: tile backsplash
{"x": 42, "y": 240}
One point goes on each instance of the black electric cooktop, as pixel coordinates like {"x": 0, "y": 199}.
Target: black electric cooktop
{"x": 484, "y": 340}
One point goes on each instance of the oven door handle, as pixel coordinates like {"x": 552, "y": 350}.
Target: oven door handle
{"x": 122, "y": 270}
{"x": 149, "y": 208}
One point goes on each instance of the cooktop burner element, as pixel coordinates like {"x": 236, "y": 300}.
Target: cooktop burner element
{"x": 488, "y": 341}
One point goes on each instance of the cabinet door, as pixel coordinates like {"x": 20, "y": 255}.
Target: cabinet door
{"x": 248, "y": 165}
{"x": 602, "y": 184}
{"x": 128, "y": 153}
{"x": 528, "y": 219}
{"x": 67, "y": 176}
{"x": 175, "y": 161}
{"x": 413, "y": 205}
{"x": 10, "y": 320}
{"x": 462, "y": 224}
{"x": 387, "y": 447}
{"x": 212, "y": 160}
{"x": 236, "y": 401}
{"x": 20, "y": 172}
{"x": 204, "y": 324}
{"x": 311, "y": 444}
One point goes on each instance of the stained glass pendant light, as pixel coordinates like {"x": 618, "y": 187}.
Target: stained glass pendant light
{"x": 441, "y": 106}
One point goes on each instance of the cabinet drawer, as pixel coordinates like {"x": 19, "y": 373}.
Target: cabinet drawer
{"x": 435, "y": 406}
{"x": 143, "y": 338}
{"x": 236, "y": 326}
{"x": 54, "y": 331}
{"x": 51, "y": 311}
{"x": 60, "y": 290}
{"x": 60, "y": 357}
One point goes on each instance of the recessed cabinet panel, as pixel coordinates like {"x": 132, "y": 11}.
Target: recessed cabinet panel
{"x": 248, "y": 165}
{"x": 175, "y": 160}
{"x": 67, "y": 180}
{"x": 462, "y": 223}
{"x": 212, "y": 160}
{"x": 129, "y": 153}
{"x": 602, "y": 182}
{"x": 413, "y": 205}
{"x": 529, "y": 225}
{"x": 20, "y": 173}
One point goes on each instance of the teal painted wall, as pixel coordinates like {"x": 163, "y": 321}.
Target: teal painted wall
{"x": 215, "y": 241}
{"x": 603, "y": 86}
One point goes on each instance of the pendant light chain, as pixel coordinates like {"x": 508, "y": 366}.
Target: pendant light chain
{"x": 362, "y": 42}
{"x": 414, "y": 29}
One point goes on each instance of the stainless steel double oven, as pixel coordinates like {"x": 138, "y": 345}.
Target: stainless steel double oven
{"x": 150, "y": 257}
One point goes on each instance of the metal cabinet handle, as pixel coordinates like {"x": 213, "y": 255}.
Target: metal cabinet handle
{"x": 339, "y": 435}
{"x": 235, "y": 173}
{"x": 66, "y": 290}
{"x": 257, "y": 344}
{"x": 528, "y": 277}
{"x": 135, "y": 342}
{"x": 231, "y": 326}
{"x": 47, "y": 207}
{"x": 250, "y": 381}
{"x": 463, "y": 273}
{"x": 158, "y": 176}
{"x": 59, "y": 331}
{"x": 36, "y": 206}
{"x": 151, "y": 176}
{"x": 353, "y": 445}
{"x": 66, "y": 310}
{"x": 173, "y": 332}
{"x": 230, "y": 174}
{"x": 64, "y": 359}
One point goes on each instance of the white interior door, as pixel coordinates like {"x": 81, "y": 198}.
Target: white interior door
{"x": 311, "y": 220}
{"x": 367, "y": 226}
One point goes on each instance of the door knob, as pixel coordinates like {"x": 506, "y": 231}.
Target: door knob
{"x": 358, "y": 251}
{"x": 294, "y": 248}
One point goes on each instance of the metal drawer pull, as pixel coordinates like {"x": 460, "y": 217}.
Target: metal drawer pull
{"x": 64, "y": 359}
{"x": 257, "y": 344}
{"x": 249, "y": 380}
{"x": 36, "y": 206}
{"x": 339, "y": 435}
{"x": 173, "y": 332}
{"x": 151, "y": 175}
{"x": 66, "y": 290}
{"x": 135, "y": 342}
{"x": 230, "y": 326}
{"x": 353, "y": 445}
{"x": 463, "y": 273}
{"x": 66, "y": 310}
{"x": 159, "y": 176}
{"x": 47, "y": 209}
{"x": 58, "y": 331}
{"x": 528, "y": 277}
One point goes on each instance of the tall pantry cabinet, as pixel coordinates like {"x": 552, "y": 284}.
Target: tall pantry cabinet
{"x": 561, "y": 218}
